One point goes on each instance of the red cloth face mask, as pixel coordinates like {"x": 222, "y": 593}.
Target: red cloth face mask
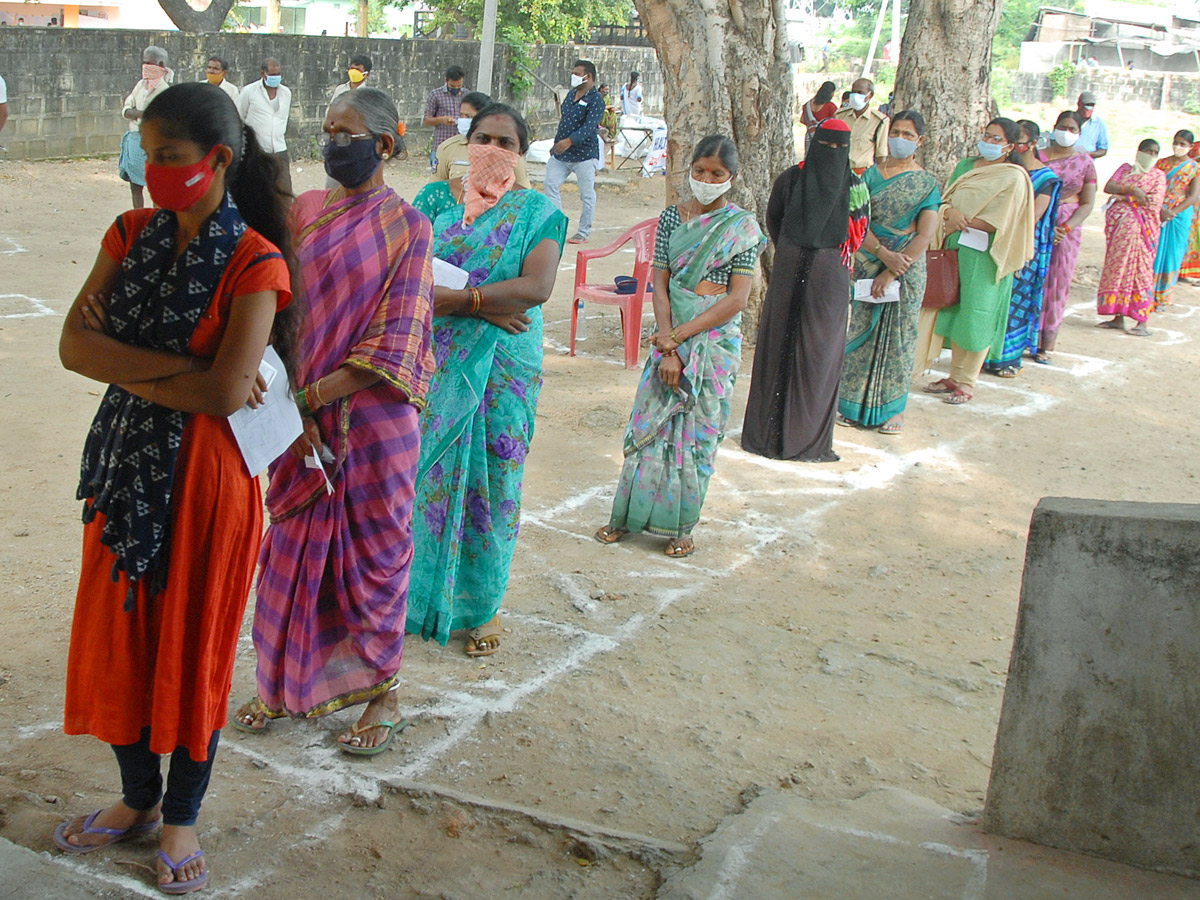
{"x": 178, "y": 187}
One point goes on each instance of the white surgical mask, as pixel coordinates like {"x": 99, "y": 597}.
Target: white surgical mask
{"x": 705, "y": 192}
{"x": 1065, "y": 138}
{"x": 901, "y": 148}
{"x": 858, "y": 101}
{"x": 577, "y": 80}
{"x": 1181, "y": 150}
{"x": 990, "y": 152}
{"x": 464, "y": 124}
{"x": 1144, "y": 162}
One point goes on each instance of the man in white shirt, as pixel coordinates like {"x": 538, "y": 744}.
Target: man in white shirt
{"x": 359, "y": 72}
{"x": 156, "y": 78}
{"x": 217, "y": 73}
{"x": 631, "y": 96}
{"x": 265, "y": 106}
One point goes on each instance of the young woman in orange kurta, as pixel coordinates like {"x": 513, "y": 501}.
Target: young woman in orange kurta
{"x": 175, "y": 317}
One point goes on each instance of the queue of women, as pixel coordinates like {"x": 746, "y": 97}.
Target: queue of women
{"x": 397, "y": 509}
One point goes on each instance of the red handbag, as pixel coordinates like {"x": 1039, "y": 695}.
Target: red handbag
{"x": 941, "y": 279}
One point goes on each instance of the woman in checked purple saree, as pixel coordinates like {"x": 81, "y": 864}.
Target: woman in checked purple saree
{"x": 332, "y": 591}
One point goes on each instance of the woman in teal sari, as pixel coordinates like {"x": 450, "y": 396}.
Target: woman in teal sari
{"x": 704, "y": 259}
{"x": 478, "y": 421}
{"x": 881, "y": 349}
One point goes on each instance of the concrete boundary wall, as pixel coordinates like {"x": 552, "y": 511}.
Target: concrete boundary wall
{"x": 1158, "y": 89}
{"x": 1098, "y": 748}
{"x": 65, "y": 86}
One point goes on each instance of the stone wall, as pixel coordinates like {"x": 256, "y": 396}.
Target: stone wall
{"x": 1096, "y": 750}
{"x": 65, "y": 86}
{"x": 1158, "y": 90}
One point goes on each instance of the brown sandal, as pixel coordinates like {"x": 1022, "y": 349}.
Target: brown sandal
{"x": 610, "y": 535}
{"x": 680, "y": 547}
{"x": 479, "y": 638}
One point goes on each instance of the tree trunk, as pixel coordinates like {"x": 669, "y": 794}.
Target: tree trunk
{"x": 197, "y": 21}
{"x": 946, "y": 72}
{"x": 274, "y": 16}
{"x": 363, "y": 13}
{"x": 726, "y": 70}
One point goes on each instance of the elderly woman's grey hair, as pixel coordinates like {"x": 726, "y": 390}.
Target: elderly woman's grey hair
{"x": 375, "y": 106}
{"x": 156, "y": 55}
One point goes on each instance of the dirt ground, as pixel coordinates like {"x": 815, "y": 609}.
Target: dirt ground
{"x": 841, "y": 626}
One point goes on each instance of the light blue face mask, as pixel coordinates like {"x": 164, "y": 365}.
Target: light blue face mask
{"x": 991, "y": 152}
{"x": 273, "y": 81}
{"x": 901, "y": 148}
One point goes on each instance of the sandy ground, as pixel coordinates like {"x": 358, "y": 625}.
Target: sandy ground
{"x": 841, "y": 627}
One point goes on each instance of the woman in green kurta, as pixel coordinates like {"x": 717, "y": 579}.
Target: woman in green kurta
{"x": 988, "y": 199}
{"x": 881, "y": 347}
{"x": 478, "y": 422}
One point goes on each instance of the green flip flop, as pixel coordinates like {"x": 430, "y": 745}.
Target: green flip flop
{"x": 393, "y": 730}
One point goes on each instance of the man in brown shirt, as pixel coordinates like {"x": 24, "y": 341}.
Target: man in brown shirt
{"x": 868, "y": 127}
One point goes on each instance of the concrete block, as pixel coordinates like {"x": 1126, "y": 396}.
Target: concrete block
{"x": 1098, "y": 747}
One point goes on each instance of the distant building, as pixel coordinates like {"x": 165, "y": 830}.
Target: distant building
{"x": 1112, "y": 34}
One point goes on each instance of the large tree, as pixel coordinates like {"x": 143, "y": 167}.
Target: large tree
{"x": 197, "y": 21}
{"x": 726, "y": 70}
{"x": 946, "y": 72}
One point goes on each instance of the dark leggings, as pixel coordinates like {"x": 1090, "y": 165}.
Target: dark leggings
{"x": 142, "y": 781}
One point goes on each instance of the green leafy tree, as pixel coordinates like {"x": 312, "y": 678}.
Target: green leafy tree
{"x": 1016, "y": 18}
{"x": 534, "y": 21}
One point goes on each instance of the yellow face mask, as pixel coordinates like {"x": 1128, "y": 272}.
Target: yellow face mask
{"x": 214, "y": 78}
{"x": 357, "y": 76}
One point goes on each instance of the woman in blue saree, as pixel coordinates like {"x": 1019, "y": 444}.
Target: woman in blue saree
{"x": 1029, "y": 284}
{"x": 478, "y": 421}
{"x": 1183, "y": 192}
{"x": 704, "y": 259}
{"x": 881, "y": 348}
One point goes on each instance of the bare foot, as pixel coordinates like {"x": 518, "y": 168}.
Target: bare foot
{"x": 384, "y": 708}
{"x": 117, "y": 816}
{"x": 179, "y": 842}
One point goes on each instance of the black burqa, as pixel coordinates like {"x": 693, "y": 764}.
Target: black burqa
{"x": 802, "y": 332}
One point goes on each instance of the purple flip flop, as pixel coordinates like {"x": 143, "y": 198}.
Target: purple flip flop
{"x": 182, "y": 887}
{"x": 117, "y": 834}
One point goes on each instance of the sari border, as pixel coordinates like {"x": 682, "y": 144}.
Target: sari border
{"x": 411, "y": 394}
{"x": 350, "y": 698}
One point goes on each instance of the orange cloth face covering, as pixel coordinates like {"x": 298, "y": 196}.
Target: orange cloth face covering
{"x": 491, "y": 174}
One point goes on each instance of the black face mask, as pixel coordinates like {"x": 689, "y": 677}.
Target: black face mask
{"x": 454, "y": 92}
{"x": 351, "y": 166}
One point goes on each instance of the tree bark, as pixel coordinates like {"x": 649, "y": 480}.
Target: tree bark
{"x": 197, "y": 21}
{"x": 945, "y": 72}
{"x": 726, "y": 70}
{"x": 363, "y": 15}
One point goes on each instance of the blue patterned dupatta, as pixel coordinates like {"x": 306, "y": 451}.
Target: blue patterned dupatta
{"x": 673, "y": 434}
{"x": 477, "y": 425}
{"x": 128, "y": 467}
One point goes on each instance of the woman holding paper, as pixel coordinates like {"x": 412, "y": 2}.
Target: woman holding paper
{"x": 881, "y": 347}
{"x": 329, "y": 620}
{"x": 988, "y": 218}
{"x": 476, "y": 429}
{"x": 174, "y": 318}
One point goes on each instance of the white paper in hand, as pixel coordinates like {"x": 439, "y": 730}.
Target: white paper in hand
{"x": 264, "y": 434}
{"x": 974, "y": 238}
{"x": 862, "y": 291}
{"x": 312, "y": 461}
{"x": 448, "y": 276}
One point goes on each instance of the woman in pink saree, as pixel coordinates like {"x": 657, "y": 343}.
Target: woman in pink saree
{"x": 333, "y": 586}
{"x": 1131, "y": 231}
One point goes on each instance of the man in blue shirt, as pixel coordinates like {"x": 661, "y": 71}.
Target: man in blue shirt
{"x": 577, "y": 145}
{"x": 1093, "y": 136}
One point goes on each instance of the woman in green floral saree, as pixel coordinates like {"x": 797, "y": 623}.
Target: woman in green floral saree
{"x": 704, "y": 259}
{"x": 478, "y": 422}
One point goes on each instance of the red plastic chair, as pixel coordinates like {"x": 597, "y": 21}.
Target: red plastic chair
{"x": 642, "y": 235}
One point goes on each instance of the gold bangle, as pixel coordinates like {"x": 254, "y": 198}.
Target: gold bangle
{"x": 316, "y": 389}
{"x": 675, "y": 337}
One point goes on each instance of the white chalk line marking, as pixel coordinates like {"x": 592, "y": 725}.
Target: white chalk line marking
{"x": 14, "y": 247}
{"x": 737, "y": 858}
{"x": 40, "y": 309}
